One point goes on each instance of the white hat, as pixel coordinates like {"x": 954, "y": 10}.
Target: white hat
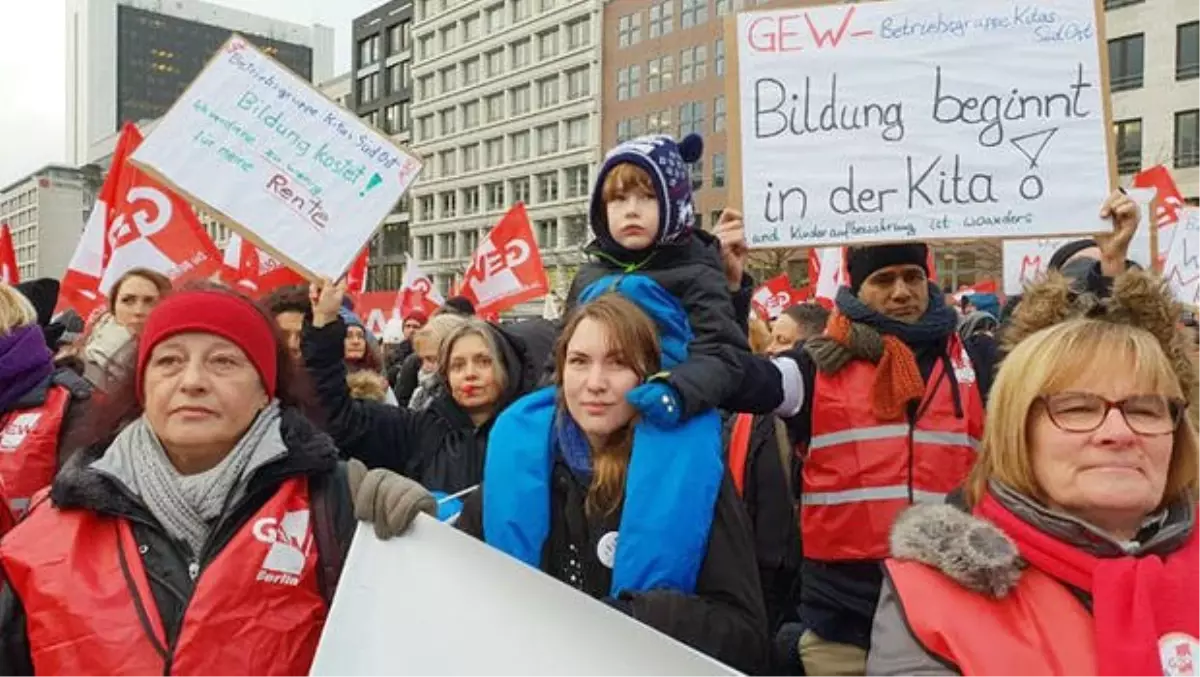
{"x": 393, "y": 331}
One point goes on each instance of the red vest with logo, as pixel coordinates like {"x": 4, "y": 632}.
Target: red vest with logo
{"x": 256, "y": 608}
{"x": 29, "y": 447}
{"x": 859, "y": 473}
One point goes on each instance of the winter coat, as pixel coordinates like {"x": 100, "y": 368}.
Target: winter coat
{"x": 439, "y": 447}
{"x": 692, "y": 272}
{"x": 394, "y": 357}
{"x": 310, "y": 453}
{"x": 724, "y": 619}
{"x": 408, "y": 377}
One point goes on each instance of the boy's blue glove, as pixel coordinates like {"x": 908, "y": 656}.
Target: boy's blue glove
{"x": 658, "y": 402}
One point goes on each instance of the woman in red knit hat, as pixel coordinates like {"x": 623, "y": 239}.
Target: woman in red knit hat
{"x": 203, "y": 527}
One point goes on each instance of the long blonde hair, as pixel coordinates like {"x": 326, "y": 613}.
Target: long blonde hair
{"x": 635, "y": 339}
{"x": 1053, "y": 359}
{"x": 15, "y": 310}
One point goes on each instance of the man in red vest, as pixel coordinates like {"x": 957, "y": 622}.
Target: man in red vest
{"x": 893, "y": 405}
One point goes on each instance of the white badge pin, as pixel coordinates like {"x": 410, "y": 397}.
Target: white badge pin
{"x": 606, "y": 549}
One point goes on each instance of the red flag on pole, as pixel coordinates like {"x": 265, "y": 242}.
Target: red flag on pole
{"x": 507, "y": 268}
{"x": 356, "y": 277}
{"x": 253, "y": 271}
{"x": 772, "y": 297}
{"x": 417, "y": 292}
{"x": 8, "y": 257}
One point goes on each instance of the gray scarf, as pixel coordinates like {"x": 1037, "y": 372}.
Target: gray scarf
{"x": 188, "y": 505}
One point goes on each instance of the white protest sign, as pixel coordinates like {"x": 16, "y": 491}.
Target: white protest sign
{"x": 1181, "y": 266}
{"x": 920, "y": 119}
{"x": 1025, "y": 261}
{"x": 406, "y": 607}
{"x": 295, "y": 172}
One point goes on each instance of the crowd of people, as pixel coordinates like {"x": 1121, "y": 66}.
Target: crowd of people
{"x": 904, "y": 483}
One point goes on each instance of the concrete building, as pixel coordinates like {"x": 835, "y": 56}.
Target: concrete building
{"x": 128, "y": 60}
{"x": 46, "y": 211}
{"x": 505, "y": 110}
{"x": 381, "y": 94}
{"x": 340, "y": 89}
{"x": 1154, "y": 69}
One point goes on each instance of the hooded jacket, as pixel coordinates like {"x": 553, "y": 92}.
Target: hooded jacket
{"x": 439, "y": 447}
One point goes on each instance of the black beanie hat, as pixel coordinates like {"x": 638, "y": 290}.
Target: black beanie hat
{"x": 862, "y": 261}
{"x": 460, "y": 305}
{"x": 1066, "y": 251}
{"x": 43, "y": 295}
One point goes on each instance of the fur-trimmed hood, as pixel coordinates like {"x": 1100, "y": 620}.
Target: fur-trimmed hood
{"x": 1139, "y": 298}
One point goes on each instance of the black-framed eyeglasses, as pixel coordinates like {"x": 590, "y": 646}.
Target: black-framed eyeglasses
{"x": 1077, "y": 412}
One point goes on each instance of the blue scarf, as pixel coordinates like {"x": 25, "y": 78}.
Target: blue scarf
{"x": 670, "y": 492}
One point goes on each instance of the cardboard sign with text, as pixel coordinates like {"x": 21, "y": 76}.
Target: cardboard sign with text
{"x": 1181, "y": 264}
{"x": 920, "y": 120}
{"x": 290, "y": 169}
{"x": 507, "y": 268}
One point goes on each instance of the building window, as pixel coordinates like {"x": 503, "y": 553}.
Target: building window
{"x": 470, "y": 72}
{"x": 425, "y": 127}
{"x": 1187, "y": 139}
{"x": 520, "y": 100}
{"x": 691, "y": 118}
{"x": 578, "y": 83}
{"x": 470, "y": 27}
{"x": 470, "y": 238}
{"x": 722, "y": 7}
{"x": 495, "y": 107}
{"x": 547, "y": 44}
{"x": 371, "y": 118}
{"x": 405, "y": 115}
{"x": 368, "y": 51}
{"x": 577, "y": 132}
{"x": 1129, "y": 145}
{"x": 448, "y": 38}
{"x": 447, "y": 121}
{"x": 470, "y": 111}
{"x": 719, "y": 114}
{"x": 449, "y": 205}
{"x": 391, "y": 118}
{"x": 470, "y": 206}
{"x": 547, "y": 187}
{"x": 1187, "y": 51}
{"x": 547, "y": 233}
{"x": 448, "y": 162}
{"x": 692, "y": 13}
{"x": 520, "y": 53}
{"x": 449, "y": 79}
{"x": 548, "y": 91}
{"x": 629, "y": 29}
{"x": 395, "y": 79}
{"x": 520, "y": 10}
{"x": 629, "y": 82}
{"x": 368, "y": 88}
{"x": 547, "y": 139}
{"x": 495, "y": 62}
{"x": 692, "y": 66}
{"x": 662, "y": 19}
{"x": 494, "y": 151}
{"x": 520, "y": 190}
{"x": 1126, "y": 63}
{"x": 519, "y": 143}
{"x": 471, "y": 159}
{"x": 579, "y": 33}
{"x": 659, "y": 122}
{"x": 425, "y": 244}
{"x": 495, "y": 18}
{"x": 1115, "y": 4}
{"x": 425, "y": 46}
{"x": 718, "y": 172}
{"x": 719, "y": 57}
{"x": 446, "y": 241}
{"x": 425, "y": 87}
{"x": 577, "y": 181}
{"x": 495, "y": 196}
{"x": 628, "y": 129}
{"x": 545, "y": 5}
{"x": 394, "y": 44}
{"x": 696, "y": 170}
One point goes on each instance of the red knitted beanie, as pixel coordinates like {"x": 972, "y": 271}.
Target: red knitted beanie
{"x": 231, "y": 317}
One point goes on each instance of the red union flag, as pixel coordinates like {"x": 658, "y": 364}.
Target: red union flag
{"x": 770, "y": 299}
{"x": 507, "y": 268}
{"x": 1169, "y": 198}
{"x": 136, "y": 223}
{"x": 254, "y": 271}
{"x": 417, "y": 291}
{"x": 8, "y": 257}
{"x": 356, "y": 277}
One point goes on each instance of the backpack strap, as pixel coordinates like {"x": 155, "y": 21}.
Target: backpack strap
{"x": 333, "y": 524}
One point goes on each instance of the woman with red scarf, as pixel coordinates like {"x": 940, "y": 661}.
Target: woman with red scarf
{"x": 1079, "y": 554}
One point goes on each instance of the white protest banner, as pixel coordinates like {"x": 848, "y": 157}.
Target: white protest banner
{"x": 293, "y": 171}
{"x": 920, "y": 119}
{"x": 406, "y": 607}
{"x": 1181, "y": 266}
{"x": 1025, "y": 261}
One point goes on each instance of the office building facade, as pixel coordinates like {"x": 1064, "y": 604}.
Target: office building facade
{"x": 46, "y": 211}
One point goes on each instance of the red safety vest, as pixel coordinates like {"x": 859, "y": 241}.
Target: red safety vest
{"x": 29, "y": 447}
{"x": 256, "y": 608}
{"x": 739, "y": 450}
{"x": 860, "y": 473}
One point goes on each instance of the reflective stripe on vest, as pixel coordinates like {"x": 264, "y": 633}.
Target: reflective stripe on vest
{"x": 860, "y": 472}
{"x": 256, "y": 608}
{"x": 1039, "y": 628}
{"x": 29, "y": 447}
{"x": 739, "y": 450}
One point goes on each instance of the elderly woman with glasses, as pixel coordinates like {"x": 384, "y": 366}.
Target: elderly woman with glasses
{"x": 1079, "y": 553}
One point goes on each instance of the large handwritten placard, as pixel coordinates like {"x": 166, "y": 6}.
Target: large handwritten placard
{"x": 292, "y": 170}
{"x": 920, "y": 119}
{"x": 1181, "y": 263}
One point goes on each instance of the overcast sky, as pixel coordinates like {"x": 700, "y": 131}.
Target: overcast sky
{"x": 33, "y": 61}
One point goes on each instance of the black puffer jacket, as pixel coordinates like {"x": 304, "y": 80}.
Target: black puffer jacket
{"x": 310, "y": 453}
{"x": 439, "y": 447}
{"x": 724, "y": 618}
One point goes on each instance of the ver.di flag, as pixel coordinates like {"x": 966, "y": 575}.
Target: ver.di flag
{"x": 136, "y": 223}
{"x": 8, "y": 257}
{"x": 770, "y": 299}
{"x": 417, "y": 291}
{"x": 254, "y": 271}
{"x": 507, "y": 267}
